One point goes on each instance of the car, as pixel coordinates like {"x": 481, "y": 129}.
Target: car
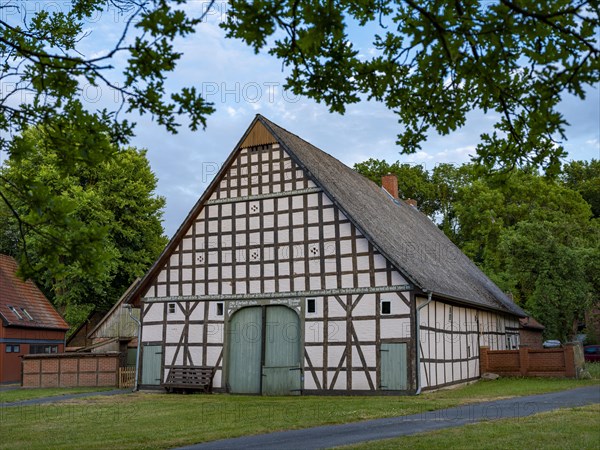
{"x": 591, "y": 353}
{"x": 552, "y": 343}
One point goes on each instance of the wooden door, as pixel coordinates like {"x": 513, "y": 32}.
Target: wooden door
{"x": 244, "y": 339}
{"x": 393, "y": 367}
{"x": 151, "y": 364}
{"x": 281, "y": 372}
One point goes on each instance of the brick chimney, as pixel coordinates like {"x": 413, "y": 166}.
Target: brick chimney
{"x": 390, "y": 183}
{"x": 412, "y": 202}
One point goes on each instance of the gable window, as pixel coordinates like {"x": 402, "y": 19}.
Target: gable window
{"x": 15, "y": 312}
{"x": 171, "y": 308}
{"x": 311, "y": 306}
{"x": 450, "y": 314}
{"x": 219, "y": 309}
{"x": 386, "y": 307}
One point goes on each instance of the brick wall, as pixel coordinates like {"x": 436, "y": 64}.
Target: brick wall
{"x": 71, "y": 370}
{"x": 534, "y": 362}
{"x": 531, "y": 338}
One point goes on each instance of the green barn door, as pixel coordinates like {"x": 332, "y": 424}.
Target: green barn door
{"x": 245, "y": 345}
{"x": 393, "y": 367}
{"x": 281, "y": 370}
{"x": 151, "y": 364}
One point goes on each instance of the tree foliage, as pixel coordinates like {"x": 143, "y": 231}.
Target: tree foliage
{"x": 59, "y": 148}
{"x": 434, "y": 61}
{"x": 535, "y": 236}
{"x": 83, "y": 234}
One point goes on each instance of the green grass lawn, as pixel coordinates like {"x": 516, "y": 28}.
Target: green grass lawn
{"x": 144, "y": 420}
{"x": 563, "y": 429}
{"x": 17, "y": 395}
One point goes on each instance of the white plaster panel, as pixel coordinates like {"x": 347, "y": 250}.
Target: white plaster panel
{"x": 151, "y": 292}
{"x": 162, "y": 276}
{"x": 423, "y": 375}
{"x": 364, "y": 280}
{"x": 311, "y": 184}
{"x": 362, "y": 245}
{"x": 196, "y": 355}
{"x": 365, "y": 307}
{"x": 169, "y": 353}
{"x": 195, "y": 333}
{"x": 313, "y": 332}
{"x": 397, "y": 278}
{"x": 369, "y": 352}
{"x": 395, "y": 328}
{"x": 154, "y": 312}
{"x": 152, "y": 333}
{"x": 186, "y": 244}
{"x": 335, "y": 309}
{"x": 161, "y": 290}
{"x": 381, "y": 279}
{"x": 359, "y": 381}
{"x": 198, "y": 312}
{"x": 316, "y": 357}
{"x": 336, "y": 331}
{"x": 334, "y": 355}
{"x": 309, "y": 382}
{"x": 365, "y": 330}
{"x": 212, "y": 355}
{"x": 215, "y": 333}
{"x": 345, "y": 229}
{"x": 174, "y": 333}
{"x": 340, "y": 383}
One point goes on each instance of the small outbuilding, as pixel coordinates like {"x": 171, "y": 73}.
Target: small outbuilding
{"x": 30, "y": 324}
{"x": 293, "y": 274}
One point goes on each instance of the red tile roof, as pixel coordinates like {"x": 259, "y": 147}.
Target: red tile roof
{"x": 25, "y": 296}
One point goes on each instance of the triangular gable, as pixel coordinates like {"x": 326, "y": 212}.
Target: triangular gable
{"x": 258, "y": 135}
{"x": 293, "y": 178}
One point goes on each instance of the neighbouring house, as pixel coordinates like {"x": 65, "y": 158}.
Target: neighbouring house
{"x": 79, "y": 339}
{"x": 113, "y": 331}
{"x": 293, "y": 274}
{"x": 531, "y": 332}
{"x": 30, "y": 325}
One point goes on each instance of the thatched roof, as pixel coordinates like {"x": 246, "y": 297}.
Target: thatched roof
{"x": 405, "y": 236}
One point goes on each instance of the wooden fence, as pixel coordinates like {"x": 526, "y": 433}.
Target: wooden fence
{"x": 549, "y": 362}
{"x": 126, "y": 377}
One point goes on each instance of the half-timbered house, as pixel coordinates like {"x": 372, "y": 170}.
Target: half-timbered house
{"x": 295, "y": 274}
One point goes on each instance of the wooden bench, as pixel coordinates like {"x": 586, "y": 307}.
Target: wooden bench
{"x": 190, "y": 378}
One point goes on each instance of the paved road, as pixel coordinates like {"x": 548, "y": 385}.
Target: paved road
{"x": 352, "y": 433}
{"x": 60, "y": 398}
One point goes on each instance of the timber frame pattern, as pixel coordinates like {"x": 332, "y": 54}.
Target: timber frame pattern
{"x": 266, "y": 232}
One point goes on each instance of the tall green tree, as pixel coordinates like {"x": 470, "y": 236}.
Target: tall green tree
{"x": 86, "y": 233}
{"x": 436, "y": 60}
{"x": 584, "y": 177}
{"x": 47, "y": 68}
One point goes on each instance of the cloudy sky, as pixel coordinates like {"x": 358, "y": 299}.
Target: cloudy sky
{"x": 242, "y": 84}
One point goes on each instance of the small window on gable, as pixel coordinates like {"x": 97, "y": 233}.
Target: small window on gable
{"x": 219, "y": 309}
{"x": 171, "y": 308}
{"x": 386, "y": 307}
{"x": 15, "y": 312}
{"x": 450, "y": 314}
{"x": 27, "y": 314}
{"x": 311, "y": 306}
